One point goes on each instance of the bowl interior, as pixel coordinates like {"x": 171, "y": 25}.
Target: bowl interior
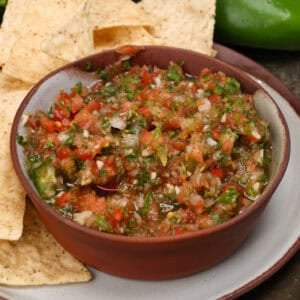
{"x": 44, "y": 92}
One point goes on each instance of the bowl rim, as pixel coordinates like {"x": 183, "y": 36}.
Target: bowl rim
{"x": 259, "y": 203}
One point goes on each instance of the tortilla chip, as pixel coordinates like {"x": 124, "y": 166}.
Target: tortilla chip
{"x": 116, "y": 13}
{"x": 8, "y": 84}
{"x": 117, "y": 36}
{"x": 73, "y": 40}
{"x": 12, "y": 195}
{"x": 26, "y": 60}
{"x": 185, "y": 24}
{"x": 37, "y": 258}
{"x": 121, "y": 20}
{"x": 10, "y": 24}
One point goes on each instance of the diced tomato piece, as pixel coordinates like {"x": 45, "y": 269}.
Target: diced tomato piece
{"x": 134, "y": 70}
{"x": 178, "y": 145}
{"x": 63, "y": 152}
{"x": 199, "y": 206}
{"x": 93, "y": 105}
{"x": 63, "y": 199}
{"x": 96, "y": 86}
{"x": 206, "y": 71}
{"x": 84, "y": 119}
{"x": 244, "y": 201}
{"x": 110, "y": 160}
{"x": 53, "y": 137}
{"x": 215, "y": 98}
{"x": 31, "y": 122}
{"x": 117, "y": 214}
{"x": 217, "y": 172}
{"x": 94, "y": 169}
{"x": 126, "y": 106}
{"x": 63, "y": 99}
{"x": 147, "y": 77}
{"x": 146, "y": 137}
{"x": 178, "y": 229}
{"x": 47, "y": 124}
{"x": 167, "y": 103}
{"x": 194, "y": 88}
{"x": 144, "y": 94}
{"x": 92, "y": 202}
{"x": 65, "y": 124}
{"x": 197, "y": 154}
{"x": 173, "y": 123}
{"x": 110, "y": 166}
{"x": 153, "y": 94}
{"x": 252, "y": 139}
{"x": 227, "y": 145}
{"x": 216, "y": 134}
{"x": 84, "y": 154}
{"x": 76, "y": 104}
{"x": 145, "y": 111}
{"x": 128, "y": 50}
{"x": 60, "y": 113}
{"x": 163, "y": 228}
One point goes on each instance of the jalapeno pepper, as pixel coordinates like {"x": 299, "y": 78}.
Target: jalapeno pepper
{"x": 2, "y": 8}
{"x": 269, "y": 24}
{"x": 44, "y": 180}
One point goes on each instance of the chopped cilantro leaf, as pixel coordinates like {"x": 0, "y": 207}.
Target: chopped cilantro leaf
{"x": 21, "y": 140}
{"x": 102, "y": 173}
{"x": 108, "y": 91}
{"x": 88, "y": 66}
{"x": 126, "y": 64}
{"x": 78, "y": 87}
{"x": 102, "y": 74}
{"x": 144, "y": 210}
{"x": 173, "y": 74}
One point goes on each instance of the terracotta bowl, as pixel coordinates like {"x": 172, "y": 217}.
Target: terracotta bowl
{"x": 156, "y": 257}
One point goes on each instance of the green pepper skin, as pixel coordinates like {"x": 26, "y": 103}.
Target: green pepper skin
{"x": 44, "y": 179}
{"x": 2, "y": 9}
{"x": 269, "y": 24}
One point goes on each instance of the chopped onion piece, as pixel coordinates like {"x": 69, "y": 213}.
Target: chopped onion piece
{"x": 86, "y": 133}
{"x": 204, "y": 105}
{"x": 24, "y": 119}
{"x": 157, "y": 81}
{"x": 256, "y": 134}
{"x": 131, "y": 140}
{"x": 153, "y": 175}
{"x": 117, "y": 122}
{"x": 223, "y": 119}
{"x": 211, "y": 142}
{"x": 206, "y": 128}
{"x": 62, "y": 137}
{"x": 99, "y": 164}
{"x": 179, "y": 98}
{"x": 81, "y": 217}
{"x": 200, "y": 93}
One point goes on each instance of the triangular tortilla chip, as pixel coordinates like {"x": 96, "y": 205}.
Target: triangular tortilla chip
{"x": 37, "y": 259}
{"x": 183, "y": 23}
{"x": 114, "y": 37}
{"x": 26, "y": 60}
{"x": 122, "y": 20}
{"x": 73, "y": 40}
{"x": 9, "y": 27}
{"x": 12, "y": 194}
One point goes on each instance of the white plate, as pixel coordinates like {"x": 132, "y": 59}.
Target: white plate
{"x": 274, "y": 235}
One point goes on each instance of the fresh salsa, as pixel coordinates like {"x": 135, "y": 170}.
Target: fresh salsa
{"x": 149, "y": 152}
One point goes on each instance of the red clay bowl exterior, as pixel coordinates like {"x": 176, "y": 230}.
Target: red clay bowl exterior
{"x": 152, "y": 258}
